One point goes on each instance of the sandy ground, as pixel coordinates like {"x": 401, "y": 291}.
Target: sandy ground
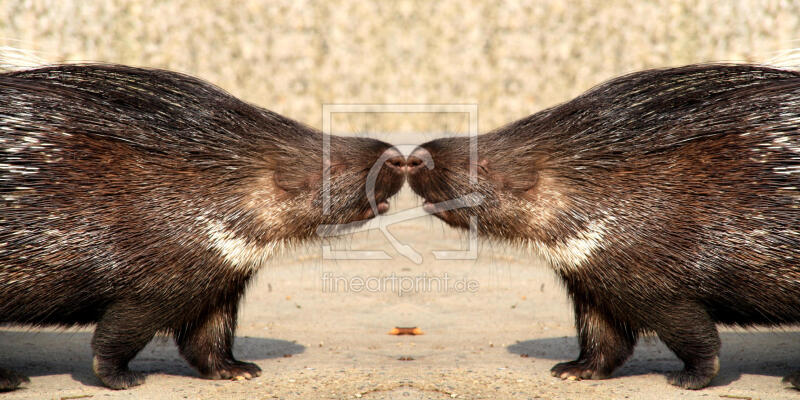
{"x": 498, "y": 340}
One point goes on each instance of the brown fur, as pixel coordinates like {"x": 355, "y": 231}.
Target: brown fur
{"x": 666, "y": 200}
{"x": 144, "y": 201}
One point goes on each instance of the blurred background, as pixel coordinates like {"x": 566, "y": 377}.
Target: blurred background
{"x": 510, "y": 58}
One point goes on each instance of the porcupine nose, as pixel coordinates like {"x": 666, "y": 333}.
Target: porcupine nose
{"x": 395, "y": 161}
{"x": 417, "y": 160}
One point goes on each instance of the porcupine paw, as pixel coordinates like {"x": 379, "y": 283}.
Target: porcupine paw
{"x": 116, "y": 377}
{"x": 696, "y": 376}
{"x": 234, "y": 370}
{"x": 792, "y": 379}
{"x": 689, "y": 379}
{"x": 10, "y": 380}
{"x": 121, "y": 379}
{"x": 577, "y": 370}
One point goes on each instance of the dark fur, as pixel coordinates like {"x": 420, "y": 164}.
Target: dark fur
{"x": 688, "y": 180}
{"x": 120, "y": 188}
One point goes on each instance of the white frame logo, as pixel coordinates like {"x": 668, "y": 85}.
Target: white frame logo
{"x": 382, "y": 222}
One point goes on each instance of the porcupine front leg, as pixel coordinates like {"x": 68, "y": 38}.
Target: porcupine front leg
{"x": 604, "y": 345}
{"x": 208, "y": 346}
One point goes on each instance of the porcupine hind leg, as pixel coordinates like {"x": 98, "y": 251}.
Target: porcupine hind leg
{"x": 121, "y": 333}
{"x": 689, "y": 332}
{"x": 10, "y": 380}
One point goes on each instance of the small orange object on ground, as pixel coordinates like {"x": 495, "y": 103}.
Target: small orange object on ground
{"x": 406, "y": 331}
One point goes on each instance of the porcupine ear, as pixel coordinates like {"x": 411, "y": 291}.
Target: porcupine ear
{"x": 516, "y": 178}
{"x": 292, "y": 178}
{"x": 525, "y": 181}
{"x": 292, "y": 181}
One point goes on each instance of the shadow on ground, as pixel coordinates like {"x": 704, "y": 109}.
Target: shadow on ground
{"x": 757, "y": 353}
{"x": 38, "y": 353}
